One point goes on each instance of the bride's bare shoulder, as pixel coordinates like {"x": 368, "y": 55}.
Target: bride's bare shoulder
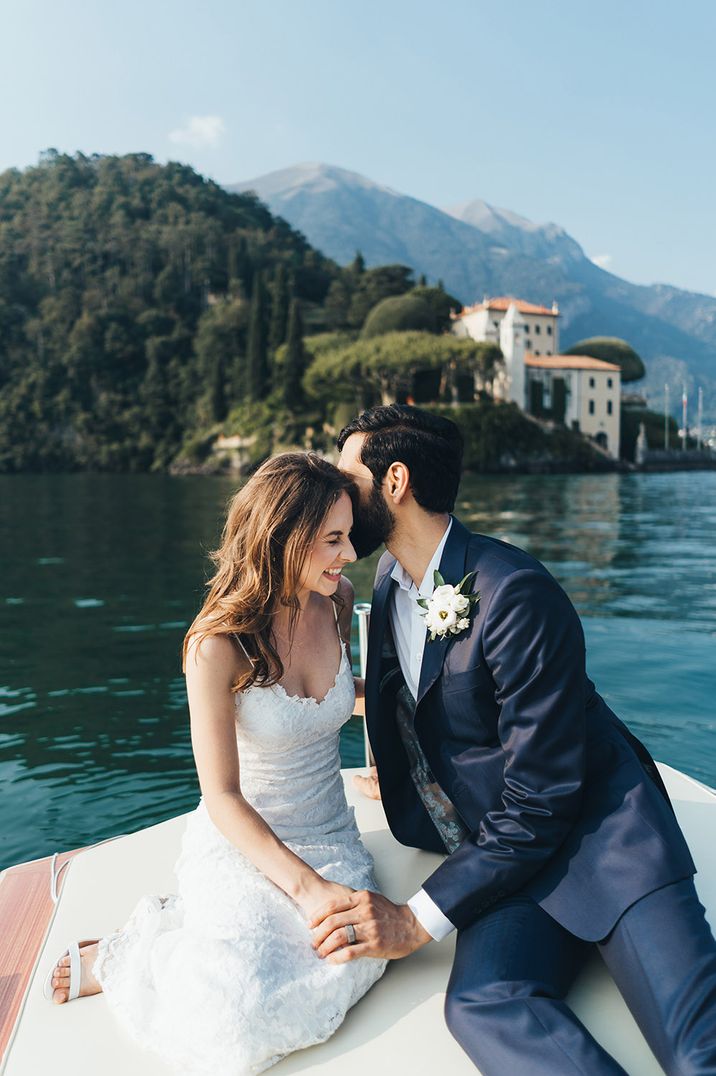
{"x": 215, "y": 654}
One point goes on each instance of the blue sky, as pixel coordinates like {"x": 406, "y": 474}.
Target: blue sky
{"x": 597, "y": 116}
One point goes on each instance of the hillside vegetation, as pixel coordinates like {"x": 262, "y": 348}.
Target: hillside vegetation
{"x": 145, "y": 311}
{"x": 139, "y": 303}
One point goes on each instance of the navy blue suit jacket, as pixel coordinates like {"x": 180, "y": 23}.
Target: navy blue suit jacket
{"x": 559, "y": 798}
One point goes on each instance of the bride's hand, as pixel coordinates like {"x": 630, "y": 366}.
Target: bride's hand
{"x": 322, "y": 893}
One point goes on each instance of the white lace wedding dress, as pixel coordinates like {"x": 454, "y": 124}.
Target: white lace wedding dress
{"x": 221, "y": 978}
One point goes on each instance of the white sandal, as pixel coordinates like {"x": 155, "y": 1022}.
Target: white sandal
{"x": 75, "y": 971}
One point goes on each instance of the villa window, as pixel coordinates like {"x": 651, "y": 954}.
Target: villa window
{"x": 549, "y": 330}
{"x": 591, "y": 407}
{"x": 591, "y": 382}
{"x": 609, "y": 407}
{"x": 536, "y": 352}
{"x": 528, "y": 343}
{"x": 527, "y": 328}
{"x": 548, "y": 353}
{"x": 537, "y": 329}
{"x": 609, "y": 382}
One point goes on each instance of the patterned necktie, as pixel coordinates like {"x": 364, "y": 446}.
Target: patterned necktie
{"x": 441, "y": 809}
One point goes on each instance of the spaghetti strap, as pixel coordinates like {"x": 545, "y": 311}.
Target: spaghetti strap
{"x": 336, "y": 614}
{"x": 246, "y": 653}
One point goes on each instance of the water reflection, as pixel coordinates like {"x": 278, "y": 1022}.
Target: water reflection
{"x": 102, "y": 574}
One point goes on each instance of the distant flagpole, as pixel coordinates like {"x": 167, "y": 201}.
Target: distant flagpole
{"x": 666, "y": 416}
{"x": 700, "y": 419}
{"x": 684, "y": 415}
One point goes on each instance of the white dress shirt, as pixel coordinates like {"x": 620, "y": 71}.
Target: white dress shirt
{"x": 410, "y": 635}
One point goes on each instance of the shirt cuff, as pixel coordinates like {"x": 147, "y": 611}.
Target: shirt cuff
{"x": 429, "y": 916}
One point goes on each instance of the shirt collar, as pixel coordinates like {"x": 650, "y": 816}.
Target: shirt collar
{"x": 427, "y": 585}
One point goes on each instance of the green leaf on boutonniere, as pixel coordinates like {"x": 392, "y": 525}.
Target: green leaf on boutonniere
{"x": 465, "y": 584}
{"x": 438, "y": 579}
{"x": 423, "y": 603}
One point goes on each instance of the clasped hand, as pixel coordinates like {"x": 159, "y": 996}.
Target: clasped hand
{"x": 382, "y": 929}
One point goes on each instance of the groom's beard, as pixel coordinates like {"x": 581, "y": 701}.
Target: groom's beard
{"x": 372, "y": 525}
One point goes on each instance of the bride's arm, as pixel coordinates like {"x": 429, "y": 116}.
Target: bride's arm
{"x": 211, "y": 669}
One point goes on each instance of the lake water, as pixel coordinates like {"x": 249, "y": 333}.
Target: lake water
{"x": 101, "y": 574}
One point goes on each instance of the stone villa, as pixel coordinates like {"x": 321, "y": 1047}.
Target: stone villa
{"x": 575, "y": 390}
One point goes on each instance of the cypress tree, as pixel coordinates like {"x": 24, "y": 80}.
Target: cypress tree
{"x": 279, "y": 309}
{"x": 358, "y": 264}
{"x": 257, "y": 352}
{"x": 238, "y": 376}
{"x": 218, "y": 390}
{"x": 295, "y": 360}
{"x": 155, "y": 398}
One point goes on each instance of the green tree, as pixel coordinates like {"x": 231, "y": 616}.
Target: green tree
{"x": 155, "y": 398}
{"x": 295, "y": 361}
{"x": 218, "y": 390}
{"x": 400, "y": 313}
{"x": 441, "y": 303}
{"x": 222, "y": 334}
{"x": 372, "y": 285}
{"x": 612, "y": 349}
{"x": 257, "y": 367}
{"x": 280, "y": 300}
{"x": 384, "y": 368}
{"x": 337, "y": 305}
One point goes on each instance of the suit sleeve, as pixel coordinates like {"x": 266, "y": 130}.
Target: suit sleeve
{"x": 533, "y": 645}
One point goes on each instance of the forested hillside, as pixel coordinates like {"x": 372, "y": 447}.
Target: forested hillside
{"x": 139, "y": 303}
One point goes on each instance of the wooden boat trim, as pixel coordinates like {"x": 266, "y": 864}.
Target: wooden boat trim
{"x": 27, "y": 912}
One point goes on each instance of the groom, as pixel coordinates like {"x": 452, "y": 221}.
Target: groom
{"x": 493, "y": 746}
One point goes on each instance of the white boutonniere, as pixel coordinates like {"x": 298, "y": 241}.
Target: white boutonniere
{"x": 448, "y": 610}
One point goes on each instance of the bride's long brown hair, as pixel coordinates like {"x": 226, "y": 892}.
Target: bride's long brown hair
{"x": 270, "y": 528}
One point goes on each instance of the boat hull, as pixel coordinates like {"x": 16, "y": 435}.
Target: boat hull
{"x": 401, "y": 1016}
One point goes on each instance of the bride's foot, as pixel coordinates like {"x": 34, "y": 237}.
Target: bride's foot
{"x": 61, "y": 974}
{"x": 368, "y": 785}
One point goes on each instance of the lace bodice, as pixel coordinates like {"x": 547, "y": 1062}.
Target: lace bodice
{"x": 289, "y": 755}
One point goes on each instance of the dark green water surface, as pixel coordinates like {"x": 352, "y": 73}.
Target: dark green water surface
{"x": 100, "y": 576}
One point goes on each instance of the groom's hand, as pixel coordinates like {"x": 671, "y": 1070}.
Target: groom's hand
{"x": 382, "y": 929}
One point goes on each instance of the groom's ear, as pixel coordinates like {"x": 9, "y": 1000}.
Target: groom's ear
{"x": 397, "y": 482}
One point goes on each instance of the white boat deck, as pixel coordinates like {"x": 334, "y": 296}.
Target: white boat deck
{"x": 399, "y": 1022}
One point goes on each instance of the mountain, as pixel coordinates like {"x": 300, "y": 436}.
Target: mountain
{"x": 516, "y": 233}
{"x": 477, "y": 249}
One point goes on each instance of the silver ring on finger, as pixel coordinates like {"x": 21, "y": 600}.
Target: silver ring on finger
{"x": 351, "y": 934}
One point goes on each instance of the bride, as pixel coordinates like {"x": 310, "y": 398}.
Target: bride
{"x": 222, "y": 977}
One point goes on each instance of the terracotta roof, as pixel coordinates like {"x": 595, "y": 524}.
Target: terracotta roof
{"x": 570, "y": 362}
{"x": 503, "y": 301}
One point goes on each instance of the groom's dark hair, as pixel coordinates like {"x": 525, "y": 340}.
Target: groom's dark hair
{"x": 429, "y": 445}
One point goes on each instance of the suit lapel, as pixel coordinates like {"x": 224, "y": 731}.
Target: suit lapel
{"x": 452, "y": 569}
